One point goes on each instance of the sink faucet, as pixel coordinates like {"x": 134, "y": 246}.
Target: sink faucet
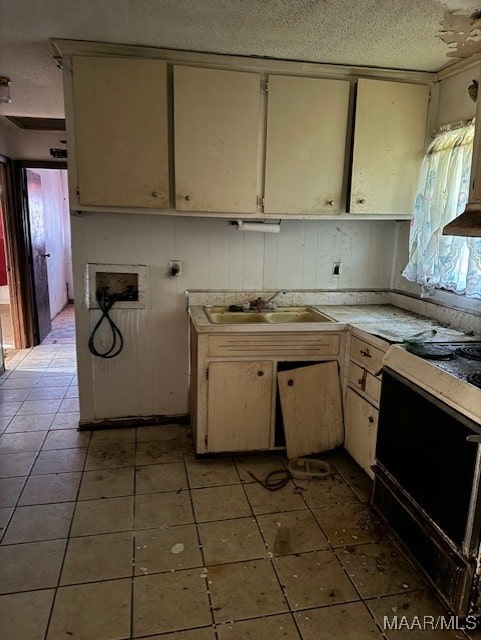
{"x": 260, "y": 305}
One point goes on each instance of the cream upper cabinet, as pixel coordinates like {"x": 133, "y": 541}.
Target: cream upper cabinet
{"x": 216, "y": 133}
{"x": 306, "y": 142}
{"x": 121, "y": 131}
{"x": 389, "y": 142}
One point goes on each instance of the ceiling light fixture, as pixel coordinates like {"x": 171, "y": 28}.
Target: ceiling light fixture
{"x": 5, "y": 90}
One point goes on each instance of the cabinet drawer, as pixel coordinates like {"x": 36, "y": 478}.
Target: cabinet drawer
{"x": 258, "y": 345}
{"x": 370, "y": 357}
{"x": 364, "y": 381}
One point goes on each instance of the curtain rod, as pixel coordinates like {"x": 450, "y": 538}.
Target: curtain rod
{"x": 451, "y": 126}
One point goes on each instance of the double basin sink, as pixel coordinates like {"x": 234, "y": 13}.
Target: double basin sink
{"x": 282, "y": 315}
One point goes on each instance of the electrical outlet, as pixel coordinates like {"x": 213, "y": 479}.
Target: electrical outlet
{"x": 336, "y": 269}
{"x": 175, "y": 268}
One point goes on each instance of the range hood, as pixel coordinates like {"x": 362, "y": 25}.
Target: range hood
{"x": 467, "y": 224}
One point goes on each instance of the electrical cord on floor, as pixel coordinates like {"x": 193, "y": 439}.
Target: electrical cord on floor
{"x": 117, "y": 344}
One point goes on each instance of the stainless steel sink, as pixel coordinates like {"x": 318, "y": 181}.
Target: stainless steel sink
{"x": 282, "y": 315}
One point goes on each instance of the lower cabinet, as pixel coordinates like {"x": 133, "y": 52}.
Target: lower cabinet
{"x": 242, "y": 402}
{"x": 360, "y": 419}
{"x": 362, "y": 396}
{"x": 239, "y": 405}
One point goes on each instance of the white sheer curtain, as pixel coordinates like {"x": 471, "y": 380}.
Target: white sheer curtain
{"x": 437, "y": 261}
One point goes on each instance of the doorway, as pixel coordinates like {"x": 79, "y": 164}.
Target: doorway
{"x": 50, "y": 246}
{"x": 37, "y": 246}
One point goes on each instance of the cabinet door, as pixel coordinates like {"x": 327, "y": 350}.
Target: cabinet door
{"x": 360, "y": 423}
{"x": 239, "y": 406}
{"x": 306, "y": 141}
{"x": 389, "y": 141}
{"x": 120, "y": 110}
{"x": 216, "y": 126}
{"x": 311, "y": 408}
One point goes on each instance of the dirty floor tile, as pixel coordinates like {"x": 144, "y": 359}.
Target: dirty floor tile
{"x": 349, "y": 524}
{"x": 36, "y": 565}
{"x": 39, "y": 522}
{"x": 10, "y": 490}
{"x": 94, "y": 610}
{"x": 169, "y": 476}
{"x": 54, "y": 487}
{"x": 245, "y": 590}
{"x": 329, "y": 490}
{"x": 220, "y": 503}
{"x": 159, "y": 451}
{"x": 408, "y": 610}
{"x": 59, "y": 461}
{"x": 231, "y": 541}
{"x": 347, "y": 621}
{"x": 211, "y": 473}
{"x": 378, "y": 569}
{"x": 107, "y": 483}
{"x": 286, "y": 499}
{"x": 25, "y": 615}
{"x": 260, "y": 466}
{"x": 360, "y": 484}
{"x": 304, "y": 533}
{"x": 268, "y": 628}
{"x": 162, "y": 510}
{"x": 110, "y": 456}
{"x": 314, "y": 579}
{"x": 206, "y": 633}
{"x": 96, "y": 558}
{"x": 170, "y": 601}
{"x": 107, "y": 437}
{"x": 167, "y": 549}
{"x": 103, "y": 516}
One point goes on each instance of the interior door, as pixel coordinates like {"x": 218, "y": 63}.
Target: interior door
{"x": 311, "y": 408}
{"x": 38, "y": 254}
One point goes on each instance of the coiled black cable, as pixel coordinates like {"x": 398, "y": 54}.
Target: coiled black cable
{"x": 117, "y": 344}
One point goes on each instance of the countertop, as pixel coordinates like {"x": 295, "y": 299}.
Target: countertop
{"x": 385, "y": 321}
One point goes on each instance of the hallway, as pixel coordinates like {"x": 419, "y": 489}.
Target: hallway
{"x": 121, "y": 534}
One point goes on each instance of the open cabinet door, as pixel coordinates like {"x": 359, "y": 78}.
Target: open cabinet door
{"x": 311, "y": 408}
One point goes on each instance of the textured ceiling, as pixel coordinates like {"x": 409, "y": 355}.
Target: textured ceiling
{"x": 399, "y": 34}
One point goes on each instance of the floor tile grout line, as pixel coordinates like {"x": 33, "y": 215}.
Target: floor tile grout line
{"x": 54, "y": 599}
{"x": 270, "y": 556}
{"x": 201, "y": 547}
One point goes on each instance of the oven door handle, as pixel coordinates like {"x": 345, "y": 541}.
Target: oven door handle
{"x": 474, "y": 438}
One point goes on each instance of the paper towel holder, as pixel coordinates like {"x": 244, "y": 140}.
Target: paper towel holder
{"x": 260, "y": 227}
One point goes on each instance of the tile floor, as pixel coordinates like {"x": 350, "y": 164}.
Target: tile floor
{"x": 124, "y": 534}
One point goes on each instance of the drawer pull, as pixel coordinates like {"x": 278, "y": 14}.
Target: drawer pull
{"x": 290, "y": 382}
{"x": 371, "y": 419}
{"x": 366, "y": 353}
{"x": 260, "y": 373}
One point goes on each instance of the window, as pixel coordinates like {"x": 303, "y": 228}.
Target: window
{"x": 437, "y": 261}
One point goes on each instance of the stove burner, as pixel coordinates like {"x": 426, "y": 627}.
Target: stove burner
{"x": 469, "y": 351}
{"x": 430, "y": 351}
{"x": 475, "y": 379}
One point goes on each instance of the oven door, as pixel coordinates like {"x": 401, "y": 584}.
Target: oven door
{"x": 422, "y": 446}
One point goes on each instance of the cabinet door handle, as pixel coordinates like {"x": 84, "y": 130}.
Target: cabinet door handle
{"x": 290, "y": 382}
{"x": 155, "y": 194}
{"x": 188, "y": 198}
{"x": 260, "y": 373}
{"x": 366, "y": 353}
{"x": 362, "y": 200}
{"x": 371, "y": 419}
{"x": 330, "y": 202}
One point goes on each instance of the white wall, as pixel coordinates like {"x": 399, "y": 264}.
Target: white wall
{"x": 151, "y": 376}
{"x": 57, "y": 236}
{"x": 24, "y": 144}
{"x": 454, "y": 102}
